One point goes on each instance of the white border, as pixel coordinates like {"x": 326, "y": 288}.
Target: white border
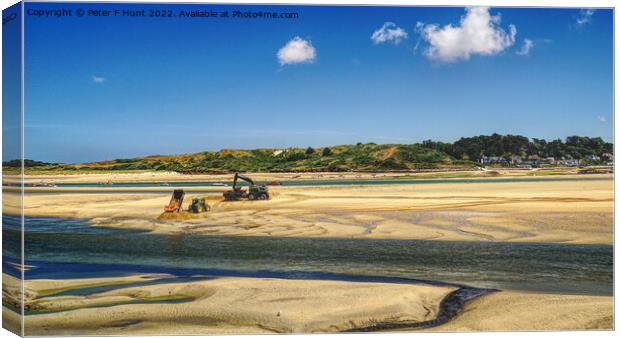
{"x": 492, "y": 3}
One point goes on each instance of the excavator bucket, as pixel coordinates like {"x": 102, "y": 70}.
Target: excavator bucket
{"x": 176, "y": 201}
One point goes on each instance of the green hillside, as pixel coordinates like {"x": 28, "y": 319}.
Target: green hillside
{"x": 338, "y": 158}
{"x": 464, "y": 153}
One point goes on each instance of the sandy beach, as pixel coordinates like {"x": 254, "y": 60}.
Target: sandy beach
{"x": 549, "y": 211}
{"x": 105, "y": 177}
{"x": 518, "y": 311}
{"x": 227, "y": 305}
{"x": 250, "y": 305}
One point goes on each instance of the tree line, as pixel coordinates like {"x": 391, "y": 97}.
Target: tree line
{"x": 466, "y": 152}
{"x": 473, "y": 148}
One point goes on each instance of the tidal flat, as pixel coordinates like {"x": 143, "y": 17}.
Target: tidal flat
{"x": 321, "y": 258}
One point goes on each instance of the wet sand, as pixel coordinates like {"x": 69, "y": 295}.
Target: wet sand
{"x": 266, "y": 305}
{"x": 550, "y": 211}
{"x": 105, "y": 177}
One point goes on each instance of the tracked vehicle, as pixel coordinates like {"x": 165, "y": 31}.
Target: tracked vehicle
{"x": 254, "y": 192}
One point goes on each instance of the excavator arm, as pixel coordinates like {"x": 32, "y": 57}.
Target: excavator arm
{"x": 255, "y": 192}
{"x": 245, "y": 178}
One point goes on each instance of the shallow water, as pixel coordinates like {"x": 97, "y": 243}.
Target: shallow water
{"x": 340, "y": 182}
{"x": 174, "y": 300}
{"x": 70, "y": 248}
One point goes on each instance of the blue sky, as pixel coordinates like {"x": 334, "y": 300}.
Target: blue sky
{"x": 11, "y": 80}
{"x": 105, "y": 88}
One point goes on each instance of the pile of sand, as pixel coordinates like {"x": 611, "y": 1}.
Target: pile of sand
{"x": 182, "y": 215}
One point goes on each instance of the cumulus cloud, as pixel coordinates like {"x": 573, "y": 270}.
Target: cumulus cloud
{"x": 98, "y": 79}
{"x": 602, "y": 119}
{"x": 389, "y": 32}
{"x": 296, "y": 50}
{"x": 478, "y": 33}
{"x": 526, "y": 46}
{"x": 585, "y": 16}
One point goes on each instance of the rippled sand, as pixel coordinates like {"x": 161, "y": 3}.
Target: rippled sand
{"x": 551, "y": 211}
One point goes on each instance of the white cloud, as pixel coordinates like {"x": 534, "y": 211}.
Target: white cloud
{"x": 389, "y": 32}
{"x": 602, "y": 119}
{"x": 98, "y": 79}
{"x": 297, "y": 50}
{"x": 478, "y": 32}
{"x": 526, "y": 46}
{"x": 585, "y": 16}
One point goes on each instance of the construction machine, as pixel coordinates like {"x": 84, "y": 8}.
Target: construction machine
{"x": 198, "y": 205}
{"x": 176, "y": 201}
{"x": 254, "y": 192}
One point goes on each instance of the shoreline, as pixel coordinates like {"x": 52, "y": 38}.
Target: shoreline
{"x": 153, "y": 176}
